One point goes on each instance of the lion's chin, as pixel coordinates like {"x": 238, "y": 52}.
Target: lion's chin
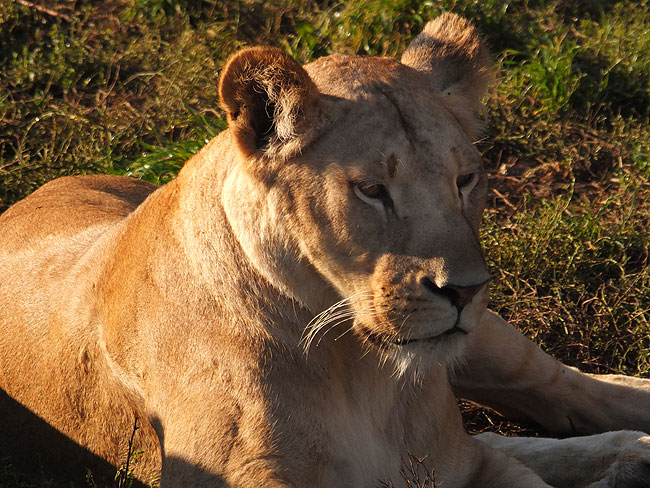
{"x": 413, "y": 357}
{"x": 434, "y": 338}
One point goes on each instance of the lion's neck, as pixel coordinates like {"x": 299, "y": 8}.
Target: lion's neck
{"x": 235, "y": 249}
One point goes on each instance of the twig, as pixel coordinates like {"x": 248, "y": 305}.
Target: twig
{"x": 124, "y": 475}
{"x": 45, "y": 10}
{"x": 503, "y": 197}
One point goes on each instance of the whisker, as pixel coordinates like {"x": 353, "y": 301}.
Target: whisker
{"x": 330, "y": 325}
{"x": 314, "y": 332}
{"x": 342, "y": 303}
{"x": 341, "y": 335}
{"x": 405, "y": 319}
{"x": 340, "y": 322}
{"x": 335, "y": 312}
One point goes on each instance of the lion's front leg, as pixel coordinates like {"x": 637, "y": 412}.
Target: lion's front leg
{"x": 507, "y": 371}
{"x": 614, "y": 459}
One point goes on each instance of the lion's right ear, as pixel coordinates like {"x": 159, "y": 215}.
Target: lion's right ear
{"x": 270, "y": 101}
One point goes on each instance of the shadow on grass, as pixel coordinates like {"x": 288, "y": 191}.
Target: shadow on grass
{"x": 33, "y": 450}
{"x": 614, "y": 87}
{"x": 30, "y": 445}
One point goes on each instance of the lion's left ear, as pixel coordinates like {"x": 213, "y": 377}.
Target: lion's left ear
{"x": 452, "y": 53}
{"x": 270, "y": 101}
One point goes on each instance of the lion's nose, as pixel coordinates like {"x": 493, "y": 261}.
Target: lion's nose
{"x": 459, "y": 296}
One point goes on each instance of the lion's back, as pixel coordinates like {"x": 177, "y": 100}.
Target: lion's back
{"x": 46, "y": 262}
{"x": 46, "y": 267}
{"x": 69, "y": 205}
{"x": 51, "y": 373}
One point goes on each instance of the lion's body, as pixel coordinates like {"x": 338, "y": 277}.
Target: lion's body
{"x": 186, "y": 307}
{"x": 57, "y": 341}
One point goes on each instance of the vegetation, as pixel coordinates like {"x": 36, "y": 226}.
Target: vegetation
{"x": 128, "y": 87}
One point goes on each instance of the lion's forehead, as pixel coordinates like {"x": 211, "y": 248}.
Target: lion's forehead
{"x": 387, "y": 146}
{"x": 351, "y": 76}
{"x": 378, "y": 80}
{"x": 388, "y": 109}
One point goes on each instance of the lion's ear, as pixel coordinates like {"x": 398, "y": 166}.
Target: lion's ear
{"x": 269, "y": 100}
{"x": 452, "y": 53}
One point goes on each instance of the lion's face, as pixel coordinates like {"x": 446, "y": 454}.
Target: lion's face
{"x": 381, "y": 202}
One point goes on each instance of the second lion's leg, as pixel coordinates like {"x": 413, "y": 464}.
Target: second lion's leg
{"x": 613, "y": 459}
{"x": 507, "y": 371}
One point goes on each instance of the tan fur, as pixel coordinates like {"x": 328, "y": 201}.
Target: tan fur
{"x": 270, "y": 316}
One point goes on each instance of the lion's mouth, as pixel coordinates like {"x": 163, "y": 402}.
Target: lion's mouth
{"x": 380, "y": 339}
{"x": 454, "y": 330}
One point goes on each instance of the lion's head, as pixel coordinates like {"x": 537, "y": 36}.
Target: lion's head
{"x": 358, "y": 184}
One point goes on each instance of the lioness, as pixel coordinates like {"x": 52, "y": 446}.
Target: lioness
{"x": 287, "y": 312}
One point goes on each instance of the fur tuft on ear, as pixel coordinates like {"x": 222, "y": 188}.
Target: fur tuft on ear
{"x": 452, "y": 53}
{"x": 269, "y": 100}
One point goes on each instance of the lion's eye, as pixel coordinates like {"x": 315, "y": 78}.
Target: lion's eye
{"x": 373, "y": 193}
{"x": 466, "y": 183}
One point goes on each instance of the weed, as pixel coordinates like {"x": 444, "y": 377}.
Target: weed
{"x": 159, "y": 164}
{"x": 130, "y": 88}
{"x": 414, "y": 473}
{"x": 124, "y": 476}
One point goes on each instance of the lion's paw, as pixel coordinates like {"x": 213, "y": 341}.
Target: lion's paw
{"x": 630, "y": 466}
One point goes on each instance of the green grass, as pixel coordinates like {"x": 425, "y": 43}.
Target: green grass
{"x": 129, "y": 87}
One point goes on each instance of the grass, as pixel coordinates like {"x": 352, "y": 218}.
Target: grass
{"x": 128, "y": 87}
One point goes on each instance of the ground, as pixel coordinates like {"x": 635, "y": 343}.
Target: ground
{"x": 128, "y": 87}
